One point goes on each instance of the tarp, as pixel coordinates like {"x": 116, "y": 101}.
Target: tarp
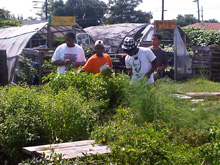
{"x": 113, "y": 35}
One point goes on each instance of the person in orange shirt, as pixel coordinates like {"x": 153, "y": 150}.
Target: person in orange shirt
{"x": 98, "y": 62}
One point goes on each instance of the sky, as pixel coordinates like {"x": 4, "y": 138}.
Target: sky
{"x": 211, "y": 8}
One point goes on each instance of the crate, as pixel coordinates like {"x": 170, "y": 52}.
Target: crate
{"x": 3, "y": 68}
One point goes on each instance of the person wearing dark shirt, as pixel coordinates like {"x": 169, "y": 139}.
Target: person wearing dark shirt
{"x": 162, "y": 61}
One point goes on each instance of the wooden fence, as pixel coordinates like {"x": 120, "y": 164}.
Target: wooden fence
{"x": 206, "y": 62}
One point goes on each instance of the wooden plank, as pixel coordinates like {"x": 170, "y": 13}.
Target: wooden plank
{"x": 201, "y": 58}
{"x": 182, "y": 96}
{"x": 60, "y": 145}
{"x": 199, "y": 66}
{"x": 200, "y": 62}
{"x": 69, "y": 150}
{"x": 206, "y": 94}
{"x": 201, "y": 48}
{"x": 31, "y": 52}
{"x": 215, "y": 63}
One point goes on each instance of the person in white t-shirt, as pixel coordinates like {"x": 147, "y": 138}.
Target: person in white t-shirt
{"x": 141, "y": 60}
{"x": 68, "y": 54}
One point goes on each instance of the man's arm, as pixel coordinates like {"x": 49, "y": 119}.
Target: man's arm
{"x": 153, "y": 68}
{"x": 61, "y": 63}
{"x": 161, "y": 68}
{"x": 78, "y": 64}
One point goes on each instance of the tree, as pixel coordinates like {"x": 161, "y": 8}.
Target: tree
{"x": 8, "y": 20}
{"x": 50, "y": 5}
{"x": 122, "y": 11}
{"x": 212, "y": 20}
{"x": 185, "y": 20}
{"x": 87, "y": 12}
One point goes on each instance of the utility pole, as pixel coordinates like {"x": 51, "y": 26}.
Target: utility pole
{"x": 202, "y": 13}
{"x": 198, "y": 9}
{"x": 46, "y": 7}
{"x": 162, "y": 9}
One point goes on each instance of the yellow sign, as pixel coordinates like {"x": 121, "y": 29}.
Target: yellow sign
{"x": 63, "y": 20}
{"x": 165, "y": 24}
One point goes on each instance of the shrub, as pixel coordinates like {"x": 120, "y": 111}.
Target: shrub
{"x": 133, "y": 144}
{"x": 202, "y": 37}
{"x": 209, "y": 152}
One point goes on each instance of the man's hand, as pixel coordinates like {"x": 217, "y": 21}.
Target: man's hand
{"x": 68, "y": 61}
{"x": 159, "y": 68}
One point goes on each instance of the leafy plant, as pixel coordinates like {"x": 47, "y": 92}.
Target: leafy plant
{"x": 27, "y": 71}
{"x": 202, "y": 37}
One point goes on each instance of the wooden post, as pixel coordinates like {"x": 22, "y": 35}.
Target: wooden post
{"x": 3, "y": 68}
{"x": 41, "y": 61}
{"x": 74, "y": 29}
{"x": 175, "y": 66}
{"x": 49, "y": 43}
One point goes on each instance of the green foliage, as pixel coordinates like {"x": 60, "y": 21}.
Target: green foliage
{"x": 142, "y": 124}
{"x": 8, "y": 20}
{"x": 42, "y": 13}
{"x": 89, "y": 12}
{"x": 185, "y": 20}
{"x": 123, "y": 11}
{"x": 27, "y": 72}
{"x": 150, "y": 102}
{"x": 89, "y": 51}
{"x": 107, "y": 72}
{"x": 203, "y": 37}
{"x": 21, "y": 120}
{"x": 132, "y": 144}
{"x": 46, "y": 160}
{"x": 58, "y": 40}
{"x": 212, "y": 20}
{"x": 209, "y": 152}
{"x": 66, "y": 109}
{"x": 92, "y": 86}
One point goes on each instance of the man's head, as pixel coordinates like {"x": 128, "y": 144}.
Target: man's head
{"x": 129, "y": 46}
{"x": 99, "y": 47}
{"x": 156, "y": 38}
{"x": 70, "y": 39}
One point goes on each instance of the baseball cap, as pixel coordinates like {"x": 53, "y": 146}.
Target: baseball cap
{"x": 128, "y": 43}
{"x": 99, "y": 42}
